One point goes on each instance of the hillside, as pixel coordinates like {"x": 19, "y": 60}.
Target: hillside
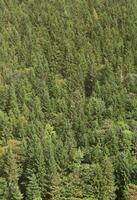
{"x": 68, "y": 99}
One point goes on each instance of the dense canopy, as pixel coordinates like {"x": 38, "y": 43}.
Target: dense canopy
{"x": 68, "y": 99}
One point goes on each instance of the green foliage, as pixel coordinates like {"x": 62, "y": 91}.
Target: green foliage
{"x": 68, "y": 99}
{"x": 3, "y": 188}
{"x": 12, "y": 174}
{"x": 99, "y": 179}
{"x": 33, "y": 190}
{"x": 78, "y": 156}
{"x": 122, "y": 173}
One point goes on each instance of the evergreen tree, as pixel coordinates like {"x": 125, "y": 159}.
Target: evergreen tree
{"x": 33, "y": 190}
{"x": 68, "y": 99}
{"x": 12, "y": 176}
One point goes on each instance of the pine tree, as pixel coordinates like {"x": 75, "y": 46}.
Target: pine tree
{"x": 12, "y": 176}
{"x": 33, "y": 190}
{"x": 3, "y": 189}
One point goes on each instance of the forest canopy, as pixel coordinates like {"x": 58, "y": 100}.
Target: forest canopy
{"x": 68, "y": 99}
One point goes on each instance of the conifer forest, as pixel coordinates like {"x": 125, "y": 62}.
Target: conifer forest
{"x": 68, "y": 99}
